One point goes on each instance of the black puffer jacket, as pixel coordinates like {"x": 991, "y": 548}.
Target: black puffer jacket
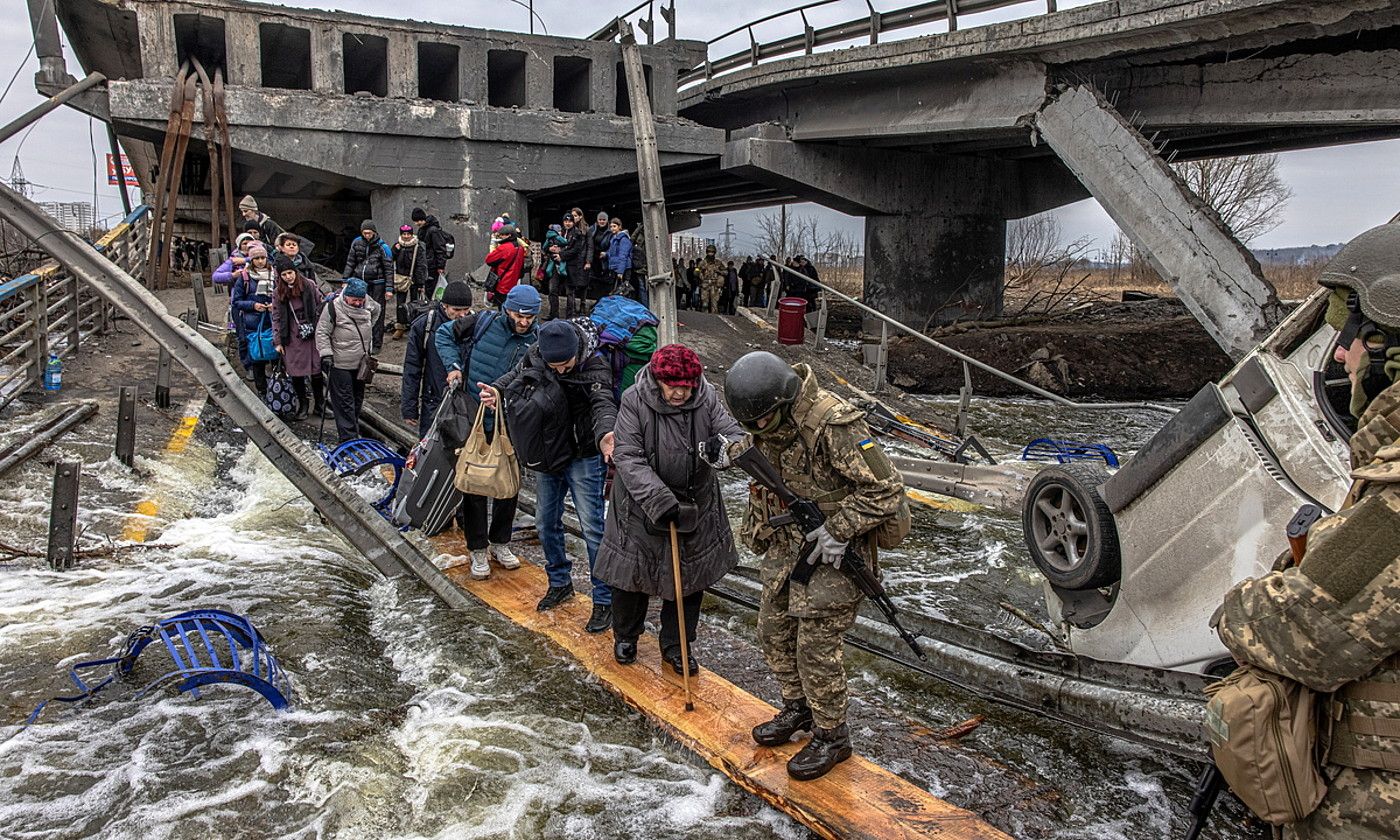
{"x": 657, "y": 466}
{"x": 588, "y": 392}
{"x": 372, "y": 262}
{"x": 435, "y": 241}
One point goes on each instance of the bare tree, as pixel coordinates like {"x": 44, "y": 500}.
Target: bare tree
{"x": 1042, "y": 271}
{"x": 1246, "y": 191}
{"x": 775, "y": 234}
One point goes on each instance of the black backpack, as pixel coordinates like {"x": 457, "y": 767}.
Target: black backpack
{"x": 538, "y": 420}
{"x": 449, "y": 243}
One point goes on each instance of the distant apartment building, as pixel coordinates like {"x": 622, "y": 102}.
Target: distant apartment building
{"x": 76, "y": 216}
{"x": 686, "y": 247}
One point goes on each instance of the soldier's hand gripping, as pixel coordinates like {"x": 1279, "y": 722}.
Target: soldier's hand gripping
{"x": 829, "y": 549}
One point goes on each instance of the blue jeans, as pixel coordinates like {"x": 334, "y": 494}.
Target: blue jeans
{"x": 584, "y": 479}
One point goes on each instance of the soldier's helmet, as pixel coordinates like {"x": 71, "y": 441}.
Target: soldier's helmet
{"x": 1369, "y": 267}
{"x": 710, "y": 250}
{"x": 758, "y": 384}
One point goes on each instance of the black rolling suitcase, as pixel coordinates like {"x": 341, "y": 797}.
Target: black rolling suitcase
{"x": 426, "y": 498}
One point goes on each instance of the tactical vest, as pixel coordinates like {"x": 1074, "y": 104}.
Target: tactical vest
{"x": 812, "y": 416}
{"x": 1349, "y": 725}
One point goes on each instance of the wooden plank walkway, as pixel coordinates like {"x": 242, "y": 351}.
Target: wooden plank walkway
{"x": 858, "y": 799}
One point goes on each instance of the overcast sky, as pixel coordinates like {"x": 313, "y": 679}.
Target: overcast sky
{"x": 1338, "y": 192}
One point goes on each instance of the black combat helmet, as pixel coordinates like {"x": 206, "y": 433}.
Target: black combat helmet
{"x": 758, "y": 384}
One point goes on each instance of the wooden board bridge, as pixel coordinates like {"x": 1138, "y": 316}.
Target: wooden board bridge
{"x": 858, "y": 799}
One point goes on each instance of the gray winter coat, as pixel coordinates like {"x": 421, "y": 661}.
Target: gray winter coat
{"x": 348, "y": 334}
{"x": 651, "y": 432}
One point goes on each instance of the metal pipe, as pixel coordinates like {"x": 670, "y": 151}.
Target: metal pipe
{"x": 34, "y": 442}
{"x": 963, "y": 357}
{"x": 33, "y": 114}
{"x": 121, "y": 173}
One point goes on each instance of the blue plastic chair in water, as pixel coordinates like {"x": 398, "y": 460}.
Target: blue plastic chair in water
{"x": 1065, "y": 451}
{"x": 354, "y": 457}
{"x": 205, "y": 646}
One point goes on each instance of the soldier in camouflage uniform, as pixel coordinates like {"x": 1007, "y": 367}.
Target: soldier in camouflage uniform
{"x": 711, "y": 273}
{"x": 1333, "y": 622}
{"x": 825, "y": 452}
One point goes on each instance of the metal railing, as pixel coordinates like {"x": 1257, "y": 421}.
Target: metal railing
{"x": 868, "y": 26}
{"x": 882, "y": 352}
{"x": 52, "y": 311}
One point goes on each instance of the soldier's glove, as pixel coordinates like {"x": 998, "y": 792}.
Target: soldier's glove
{"x": 715, "y": 452}
{"x": 829, "y": 549}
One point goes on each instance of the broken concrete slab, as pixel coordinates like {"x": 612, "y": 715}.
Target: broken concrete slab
{"x": 1181, "y": 236}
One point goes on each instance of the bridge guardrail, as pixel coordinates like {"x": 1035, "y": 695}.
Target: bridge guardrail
{"x": 52, "y": 311}
{"x": 870, "y": 25}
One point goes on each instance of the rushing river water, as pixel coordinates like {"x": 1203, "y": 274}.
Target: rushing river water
{"x": 413, "y": 721}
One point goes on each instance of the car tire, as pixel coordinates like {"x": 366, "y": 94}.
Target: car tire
{"x": 1068, "y": 529}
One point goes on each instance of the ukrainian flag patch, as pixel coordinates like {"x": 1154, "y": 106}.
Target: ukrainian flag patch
{"x": 865, "y": 444}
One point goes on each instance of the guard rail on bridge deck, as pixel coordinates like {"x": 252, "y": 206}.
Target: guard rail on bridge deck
{"x": 967, "y": 361}
{"x": 52, "y": 311}
{"x": 868, "y": 26}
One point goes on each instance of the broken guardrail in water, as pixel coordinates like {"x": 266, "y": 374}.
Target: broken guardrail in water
{"x": 358, "y": 522}
{"x": 206, "y": 646}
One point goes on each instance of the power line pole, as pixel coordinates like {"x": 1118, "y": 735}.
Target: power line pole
{"x": 728, "y": 237}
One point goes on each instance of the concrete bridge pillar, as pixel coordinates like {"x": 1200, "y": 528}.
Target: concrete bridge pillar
{"x": 464, "y": 212}
{"x": 935, "y": 226}
{"x": 936, "y": 265}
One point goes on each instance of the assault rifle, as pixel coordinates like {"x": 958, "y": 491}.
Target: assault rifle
{"x": 1212, "y": 781}
{"x": 805, "y": 514}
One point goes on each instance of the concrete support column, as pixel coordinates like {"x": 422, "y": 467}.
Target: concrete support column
{"x": 327, "y": 60}
{"x": 157, "y": 33}
{"x": 927, "y": 265}
{"x": 663, "y": 94}
{"x": 471, "y": 72}
{"x": 466, "y": 213}
{"x": 603, "y": 83}
{"x": 244, "y": 51}
{"x": 47, "y": 44}
{"x": 403, "y": 65}
{"x": 539, "y": 80}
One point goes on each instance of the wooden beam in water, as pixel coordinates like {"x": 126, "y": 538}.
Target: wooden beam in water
{"x": 858, "y": 799}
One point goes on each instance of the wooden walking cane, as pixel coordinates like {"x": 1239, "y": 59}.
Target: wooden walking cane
{"x": 680, "y": 616}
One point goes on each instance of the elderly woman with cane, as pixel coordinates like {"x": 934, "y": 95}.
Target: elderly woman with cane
{"x": 666, "y": 514}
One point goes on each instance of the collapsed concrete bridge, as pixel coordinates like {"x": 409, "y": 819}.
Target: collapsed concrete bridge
{"x": 936, "y": 140}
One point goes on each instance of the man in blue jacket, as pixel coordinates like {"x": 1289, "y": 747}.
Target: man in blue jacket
{"x": 495, "y": 345}
{"x": 424, "y": 373}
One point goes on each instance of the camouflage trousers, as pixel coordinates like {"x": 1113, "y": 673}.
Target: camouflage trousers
{"x": 709, "y": 296}
{"x": 1360, "y": 805}
{"x": 805, "y": 654}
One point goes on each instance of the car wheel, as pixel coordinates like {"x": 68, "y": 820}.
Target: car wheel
{"x": 1069, "y": 530}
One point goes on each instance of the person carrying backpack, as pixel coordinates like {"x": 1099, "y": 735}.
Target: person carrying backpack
{"x": 560, "y": 403}
{"x": 343, "y": 342}
{"x": 507, "y": 262}
{"x": 496, "y": 342}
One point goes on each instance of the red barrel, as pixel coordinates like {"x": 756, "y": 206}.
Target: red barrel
{"x": 792, "y": 320}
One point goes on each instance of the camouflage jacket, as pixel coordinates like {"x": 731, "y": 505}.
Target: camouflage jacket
{"x": 825, "y": 453}
{"x": 710, "y": 273}
{"x": 1333, "y": 624}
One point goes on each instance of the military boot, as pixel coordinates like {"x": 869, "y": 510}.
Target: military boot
{"x": 828, "y": 748}
{"x": 794, "y": 716}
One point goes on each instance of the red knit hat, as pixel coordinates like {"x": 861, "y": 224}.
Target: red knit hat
{"x": 676, "y": 364}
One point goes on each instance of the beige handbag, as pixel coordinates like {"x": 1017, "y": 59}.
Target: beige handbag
{"x": 404, "y": 282}
{"x": 488, "y": 468}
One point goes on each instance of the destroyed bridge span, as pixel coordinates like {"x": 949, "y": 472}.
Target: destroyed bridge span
{"x": 937, "y": 140}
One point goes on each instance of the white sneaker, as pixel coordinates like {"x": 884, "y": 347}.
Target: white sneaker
{"x": 481, "y": 570}
{"x": 505, "y": 556}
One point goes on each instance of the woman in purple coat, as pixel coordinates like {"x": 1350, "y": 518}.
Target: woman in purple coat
{"x": 298, "y": 305}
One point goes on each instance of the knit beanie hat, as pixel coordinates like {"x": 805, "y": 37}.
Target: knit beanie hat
{"x": 257, "y": 249}
{"x": 242, "y": 237}
{"x": 282, "y": 263}
{"x": 676, "y": 364}
{"x": 523, "y": 299}
{"x": 405, "y": 228}
{"x": 457, "y": 293}
{"x": 355, "y": 287}
{"x": 252, "y": 224}
{"x": 558, "y": 341}
{"x": 368, "y": 224}
{"x": 248, "y": 203}
{"x": 418, "y": 215}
